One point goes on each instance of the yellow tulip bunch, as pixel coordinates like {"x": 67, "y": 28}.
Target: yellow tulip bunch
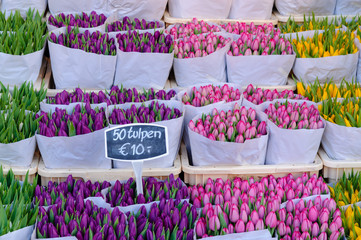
{"x": 325, "y": 44}
{"x": 345, "y": 113}
{"x": 351, "y": 220}
{"x": 347, "y": 190}
{"x": 317, "y": 92}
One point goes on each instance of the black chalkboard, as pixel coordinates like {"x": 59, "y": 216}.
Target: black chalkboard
{"x": 135, "y": 142}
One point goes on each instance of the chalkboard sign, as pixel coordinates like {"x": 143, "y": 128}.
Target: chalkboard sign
{"x": 136, "y": 142}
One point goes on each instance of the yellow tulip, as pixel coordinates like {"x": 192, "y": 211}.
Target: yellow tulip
{"x": 349, "y": 211}
{"x": 300, "y": 89}
{"x": 358, "y": 231}
{"x": 326, "y": 54}
{"x": 347, "y": 125}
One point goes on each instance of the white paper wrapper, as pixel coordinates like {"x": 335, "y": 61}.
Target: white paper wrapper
{"x": 199, "y": 9}
{"x": 347, "y": 7}
{"x": 295, "y": 7}
{"x": 76, "y": 68}
{"x": 175, "y": 129}
{"x": 249, "y": 10}
{"x": 19, "y": 154}
{"x": 358, "y": 71}
{"x": 23, "y": 6}
{"x": 259, "y": 70}
{"x": 56, "y": 6}
{"x": 207, "y": 152}
{"x": 143, "y": 70}
{"x": 146, "y": 9}
{"x": 286, "y": 146}
{"x": 23, "y": 234}
{"x": 211, "y": 68}
{"x": 17, "y": 69}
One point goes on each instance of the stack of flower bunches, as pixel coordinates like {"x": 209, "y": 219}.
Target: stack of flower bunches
{"x": 17, "y": 125}
{"x": 209, "y": 94}
{"x": 81, "y": 220}
{"x": 199, "y": 45}
{"x": 125, "y": 194}
{"x": 194, "y": 27}
{"x": 241, "y": 27}
{"x": 82, "y": 20}
{"x": 71, "y": 188}
{"x": 172, "y": 219}
{"x": 65, "y": 98}
{"x": 155, "y": 112}
{"x": 21, "y": 37}
{"x": 83, "y": 120}
{"x": 325, "y": 44}
{"x": 345, "y": 113}
{"x": 318, "y": 92}
{"x": 258, "y": 95}
{"x": 95, "y": 42}
{"x": 134, "y": 41}
{"x": 294, "y": 115}
{"x": 260, "y": 44}
{"x": 237, "y": 125}
{"x": 347, "y": 190}
{"x": 127, "y": 24}
{"x": 351, "y": 219}
{"x": 123, "y": 95}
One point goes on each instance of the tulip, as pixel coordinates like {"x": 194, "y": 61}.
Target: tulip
{"x": 240, "y": 227}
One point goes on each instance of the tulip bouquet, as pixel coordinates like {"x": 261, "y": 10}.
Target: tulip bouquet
{"x": 194, "y": 27}
{"x": 15, "y": 21}
{"x": 294, "y": 115}
{"x": 82, "y": 20}
{"x": 127, "y": 24}
{"x": 134, "y": 41}
{"x": 95, "y": 42}
{"x": 241, "y": 27}
{"x": 209, "y": 94}
{"x": 172, "y": 219}
{"x": 199, "y": 45}
{"x": 123, "y": 95}
{"x": 311, "y": 219}
{"x": 124, "y": 194}
{"x": 237, "y": 125}
{"x": 347, "y": 190}
{"x": 155, "y": 112}
{"x": 81, "y": 220}
{"x": 65, "y": 98}
{"x": 258, "y": 95}
{"x": 71, "y": 188}
{"x": 325, "y": 44}
{"x": 83, "y": 120}
{"x": 247, "y": 45}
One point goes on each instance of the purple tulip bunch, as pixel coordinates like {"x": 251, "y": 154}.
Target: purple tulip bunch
{"x": 209, "y": 94}
{"x": 71, "y": 188}
{"x": 237, "y": 125}
{"x": 127, "y": 24}
{"x": 134, "y": 41}
{"x": 78, "y": 20}
{"x": 264, "y": 45}
{"x": 122, "y": 95}
{"x": 258, "y": 95}
{"x": 65, "y": 98}
{"x": 241, "y": 27}
{"x": 84, "y": 221}
{"x": 155, "y": 112}
{"x": 83, "y": 120}
{"x": 230, "y": 218}
{"x": 194, "y": 27}
{"x": 294, "y": 115}
{"x": 171, "y": 219}
{"x": 318, "y": 219}
{"x": 199, "y": 45}
{"x": 154, "y": 190}
{"x": 95, "y": 42}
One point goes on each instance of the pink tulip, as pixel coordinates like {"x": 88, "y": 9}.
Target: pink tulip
{"x": 234, "y": 214}
{"x": 271, "y": 220}
{"x": 240, "y": 227}
{"x": 214, "y": 223}
{"x": 313, "y": 214}
{"x": 200, "y": 228}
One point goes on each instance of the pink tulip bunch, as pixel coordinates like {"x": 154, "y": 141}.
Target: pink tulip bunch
{"x": 294, "y": 115}
{"x": 258, "y": 95}
{"x": 199, "y": 45}
{"x": 205, "y": 95}
{"x": 230, "y": 218}
{"x": 237, "y": 125}
{"x": 316, "y": 220}
{"x": 194, "y": 27}
{"x": 241, "y": 27}
{"x": 262, "y": 44}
